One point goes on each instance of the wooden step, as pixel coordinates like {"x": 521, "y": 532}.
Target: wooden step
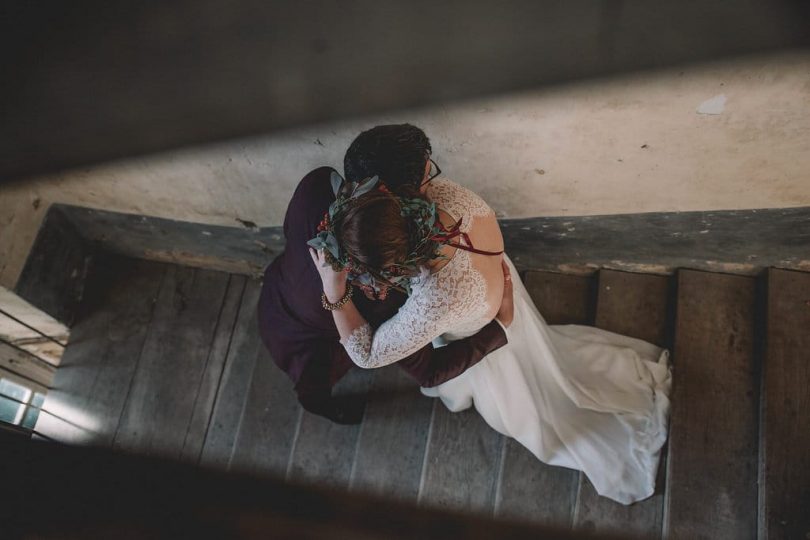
{"x": 462, "y": 462}
{"x": 91, "y": 385}
{"x": 242, "y": 346}
{"x": 562, "y": 298}
{"x": 324, "y": 452}
{"x": 393, "y": 438}
{"x": 635, "y": 305}
{"x": 785, "y": 460}
{"x": 711, "y": 489}
{"x": 221, "y": 392}
{"x": 264, "y": 441}
{"x": 173, "y": 363}
{"x": 528, "y": 488}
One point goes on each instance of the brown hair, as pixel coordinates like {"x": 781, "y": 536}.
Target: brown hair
{"x": 373, "y": 231}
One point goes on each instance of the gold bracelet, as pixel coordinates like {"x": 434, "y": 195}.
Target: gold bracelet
{"x": 340, "y": 303}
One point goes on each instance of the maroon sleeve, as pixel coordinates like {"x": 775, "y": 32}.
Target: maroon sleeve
{"x": 433, "y": 366}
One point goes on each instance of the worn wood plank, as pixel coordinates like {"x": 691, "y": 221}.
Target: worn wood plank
{"x": 393, "y": 437}
{"x": 636, "y": 305}
{"x": 267, "y": 432}
{"x": 212, "y": 374}
{"x": 785, "y": 461}
{"x": 56, "y": 269}
{"x": 562, "y": 298}
{"x": 24, "y": 364}
{"x": 462, "y": 462}
{"x": 711, "y": 489}
{"x": 91, "y": 385}
{"x": 533, "y": 491}
{"x": 659, "y": 242}
{"x": 234, "y": 384}
{"x": 161, "y": 400}
{"x": 324, "y": 451}
{"x": 530, "y": 489}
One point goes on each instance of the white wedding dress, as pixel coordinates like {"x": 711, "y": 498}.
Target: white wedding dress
{"x": 575, "y": 396}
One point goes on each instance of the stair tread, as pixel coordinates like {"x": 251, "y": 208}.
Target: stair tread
{"x": 635, "y": 305}
{"x": 562, "y": 298}
{"x": 785, "y": 474}
{"x": 711, "y": 489}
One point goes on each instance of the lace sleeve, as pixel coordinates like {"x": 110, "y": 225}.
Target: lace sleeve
{"x": 417, "y": 323}
{"x": 454, "y": 298}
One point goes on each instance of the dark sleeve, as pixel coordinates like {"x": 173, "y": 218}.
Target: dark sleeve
{"x": 309, "y": 203}
{"x": 433, "y": 366}
{"x": 314, "y": 386}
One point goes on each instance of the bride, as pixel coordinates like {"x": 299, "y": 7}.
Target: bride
{"x": 575, "y": 396}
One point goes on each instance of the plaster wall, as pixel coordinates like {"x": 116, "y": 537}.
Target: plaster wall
{"x": 630, "y": 144}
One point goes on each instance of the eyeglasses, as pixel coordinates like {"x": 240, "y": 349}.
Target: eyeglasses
{"x": 433, "y": 173}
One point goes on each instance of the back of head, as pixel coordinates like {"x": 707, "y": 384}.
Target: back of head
{"x": 373, "y": 231}
{"x": 396, "y": 153}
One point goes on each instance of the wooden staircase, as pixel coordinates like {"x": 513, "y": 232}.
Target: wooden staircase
{"x": 737, "y": 464}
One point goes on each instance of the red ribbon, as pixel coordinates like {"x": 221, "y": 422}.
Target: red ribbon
{"x": 455, "y": 232}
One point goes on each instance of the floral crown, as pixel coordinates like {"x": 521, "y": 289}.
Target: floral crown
{"x": 425, "y": 231}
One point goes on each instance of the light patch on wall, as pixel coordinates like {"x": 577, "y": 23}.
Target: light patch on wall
{"x": 715, "y": 105}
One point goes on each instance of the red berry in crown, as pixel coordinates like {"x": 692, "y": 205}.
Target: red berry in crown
{"x": 324, "y": 224}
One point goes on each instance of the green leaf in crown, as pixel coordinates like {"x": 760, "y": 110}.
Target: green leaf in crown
{"x": 425, "y": 238}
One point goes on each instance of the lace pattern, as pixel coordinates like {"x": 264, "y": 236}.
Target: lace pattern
{"x": 458, "y": 201}
{"x": 452, "y": 299}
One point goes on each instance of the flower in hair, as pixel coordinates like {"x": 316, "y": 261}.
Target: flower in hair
{"x": 425, "y": 232}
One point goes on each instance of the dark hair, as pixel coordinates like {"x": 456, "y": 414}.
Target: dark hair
{"x": 373, "y": 230}
{"x": 397, "y": 153}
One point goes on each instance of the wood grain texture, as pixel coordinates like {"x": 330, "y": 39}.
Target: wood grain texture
{"x": 562, "y": 298}
{"x": 393, "y": 438}
{"x": 658, "y": 242}
{"x": 785, "y": 462}
{"x": 324, "y": 451}
{"x": 92, "y": 383}
{"x": 234, "y": 384}
{"x": 712, "y": 465}
{"x": 161, "y": 400}
{"x": 529, "y": 489}
{"x": 22, "y": 363}
{"x": 206, "y": 392}
{"x": 462, "y": 463}
{"x": 661, "y": 242}
{"x": 267, "y": 431}
{"x": 53, "y": 278}
{"x": 635, "y": 305}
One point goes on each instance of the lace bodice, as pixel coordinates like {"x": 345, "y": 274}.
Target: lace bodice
{"x": 451, "y": 300}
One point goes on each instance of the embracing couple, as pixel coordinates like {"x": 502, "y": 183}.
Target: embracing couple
{"x": 397, "y": 264}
